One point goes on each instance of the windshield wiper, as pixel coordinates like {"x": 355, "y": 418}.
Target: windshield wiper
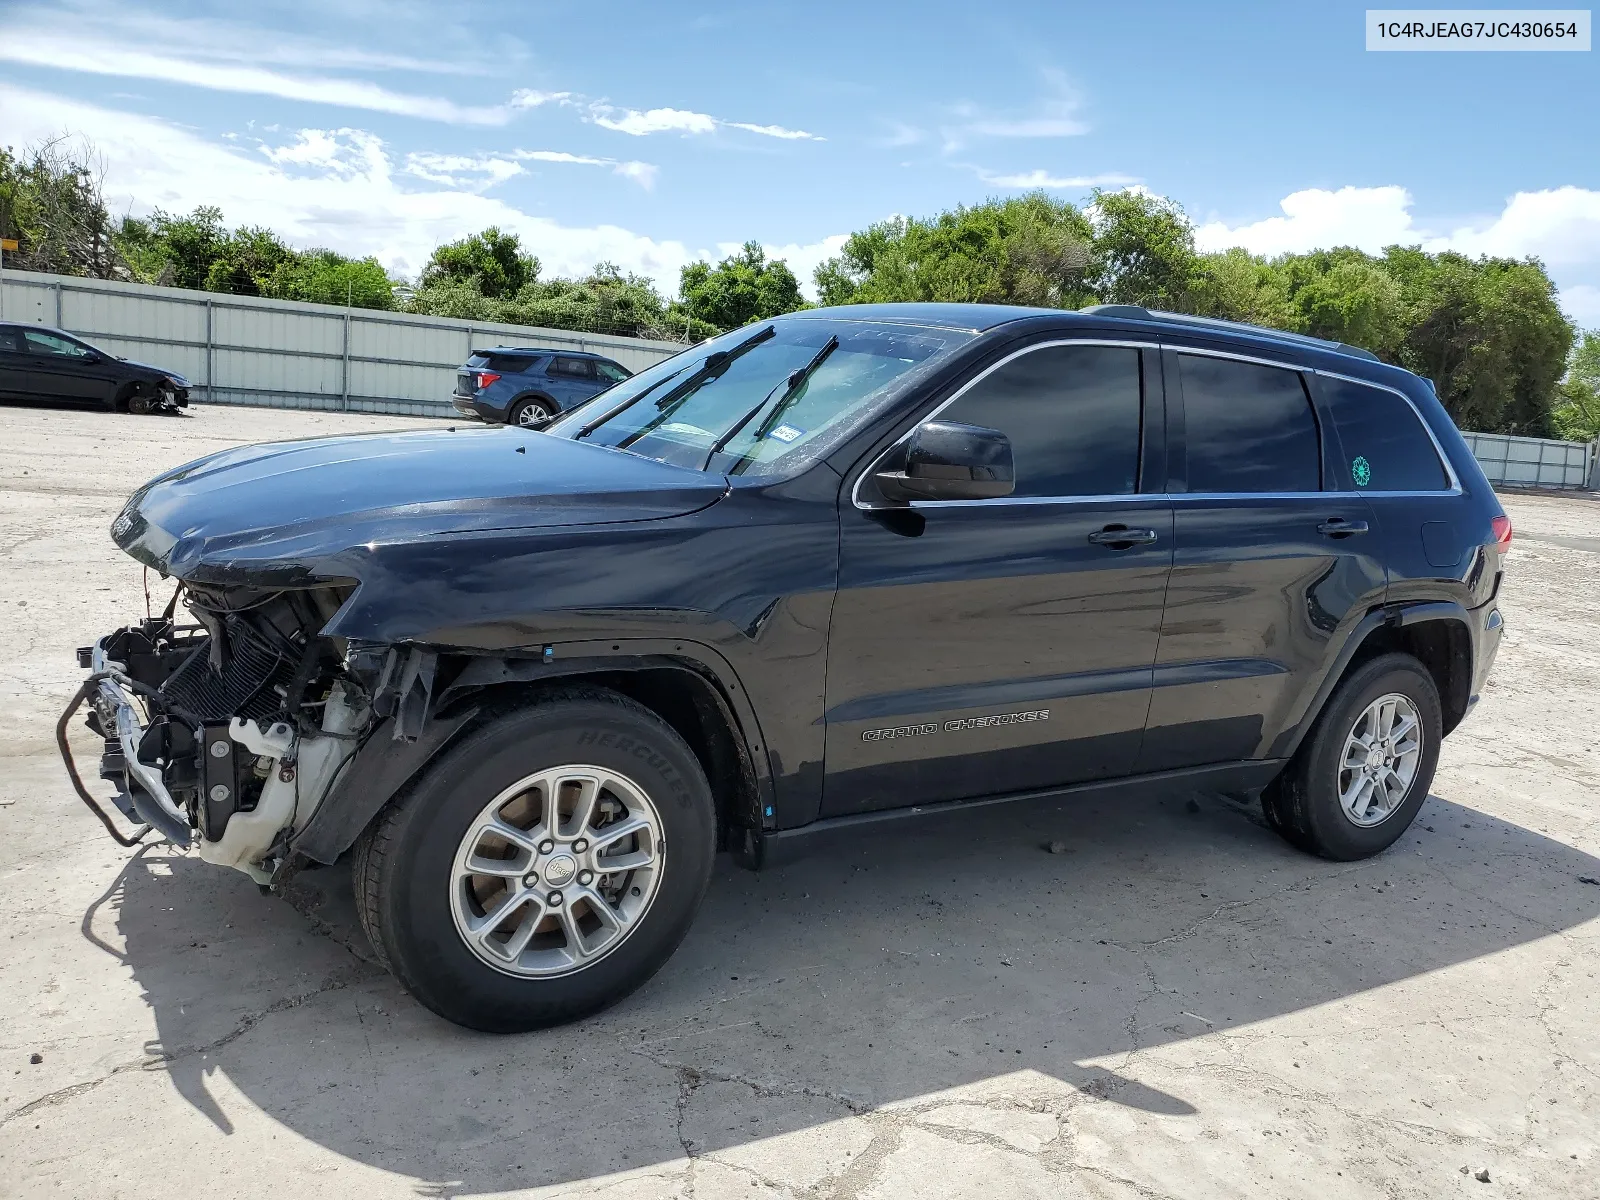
{"x": 710, "y": 371}
{"x": 797, "y": 380}
{"x": 616, "y": 409}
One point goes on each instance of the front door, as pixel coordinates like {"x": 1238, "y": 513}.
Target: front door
{"x": 13, "y": 363}
{"x": 1270, "y": 571}
{"x": 60, "y": 368}
{"x": 986, "y": 647}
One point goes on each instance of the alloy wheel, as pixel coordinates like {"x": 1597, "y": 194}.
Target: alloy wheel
{"x": 1379, "y": 762}
{"x": 533, "y": 416}
{"x": 556, "y": 871}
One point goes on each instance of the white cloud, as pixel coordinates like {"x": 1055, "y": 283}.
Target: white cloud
{"x": 1043, "y": 179}
{"x": 205, "y": 39}
{"x": 775, "y": 131}
{"x": 642, "y": 173}
{"x": 656, "y": 120}
{"x": 1055, "y": 114}
{"x": 1560, "y": 226}
{"x": 76, "y": 50}
{"x": 476, "y": 173}
{"x": 1582, "y": 302}
{"x": 530, "y": 98}
{"x": 337, "y": 189}
{"x": 1368, "y": 218}
{"x": 680, "y": 120}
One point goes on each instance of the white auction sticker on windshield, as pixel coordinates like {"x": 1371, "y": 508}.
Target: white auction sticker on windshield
{"x": 787, "y": 433}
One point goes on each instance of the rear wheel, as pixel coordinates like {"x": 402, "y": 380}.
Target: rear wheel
{"x": 544, "y": 868}
{"x": 1358, "y": 781}
{"x": 532, "y": 413}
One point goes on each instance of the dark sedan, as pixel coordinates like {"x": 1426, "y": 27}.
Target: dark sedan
{"x": 40, "y": 363}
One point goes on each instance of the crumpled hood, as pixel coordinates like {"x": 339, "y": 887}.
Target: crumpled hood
{"x": 298, "y": 502}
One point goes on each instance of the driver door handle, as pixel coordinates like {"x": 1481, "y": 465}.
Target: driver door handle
{"x": 1120, "y": 537}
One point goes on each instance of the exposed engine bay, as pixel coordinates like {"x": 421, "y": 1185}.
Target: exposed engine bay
{"x": 228, "y": 731}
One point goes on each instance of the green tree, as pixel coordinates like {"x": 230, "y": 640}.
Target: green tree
{"x": 173, "y": 251}
{"x": 1576, "y": 414}
{"x": 1024, "y": 250}
{"x": 51, "y": 201}
{"x": 324, "y": 277}
{"x": 491, "y": 260}
{"x": 1235, "y": 285}
{"x": 743, "y": 287}
{"x": 1488, "y": 332}
{"x": 1143, "y": 252}
{"x": 1345, "y": 296}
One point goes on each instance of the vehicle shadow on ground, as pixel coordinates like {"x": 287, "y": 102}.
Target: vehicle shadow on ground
{"x": 826, "y": 988}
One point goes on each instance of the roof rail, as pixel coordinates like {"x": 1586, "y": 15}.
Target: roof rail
{"x": 1137, "y": 312}
{"x": 1134, "y": 312}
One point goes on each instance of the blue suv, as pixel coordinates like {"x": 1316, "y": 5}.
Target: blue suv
{"x": 527, "y": 386}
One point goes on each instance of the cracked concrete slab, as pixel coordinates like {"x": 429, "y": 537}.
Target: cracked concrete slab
{"x": 1175, "y": 1005}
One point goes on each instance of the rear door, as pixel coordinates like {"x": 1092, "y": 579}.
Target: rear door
{"x": 981, "y": 647}
{"x": 1272, "y": 562}
{"x": 1389, "y": 456}
{"x": 60, "y": 368}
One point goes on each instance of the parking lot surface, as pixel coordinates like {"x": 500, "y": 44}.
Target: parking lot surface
{"x": 1172, "y": 1004}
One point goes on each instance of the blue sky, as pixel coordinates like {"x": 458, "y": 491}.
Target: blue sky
{"x": 653, "y": 134}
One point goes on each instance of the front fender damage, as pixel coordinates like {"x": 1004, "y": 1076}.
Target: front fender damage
{"x": 252, "y": 736}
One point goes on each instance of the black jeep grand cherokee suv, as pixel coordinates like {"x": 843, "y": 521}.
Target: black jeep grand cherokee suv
{"x": 822, "y": 574}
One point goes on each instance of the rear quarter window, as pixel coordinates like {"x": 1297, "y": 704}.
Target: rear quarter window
{"x": 1386, "y": 448}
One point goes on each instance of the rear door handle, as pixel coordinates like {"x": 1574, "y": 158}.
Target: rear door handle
{"x": 1339, "y": 527}
{"x": 1120, "y": 537}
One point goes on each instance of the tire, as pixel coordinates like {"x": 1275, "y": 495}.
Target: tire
{"x": 1304, "y": 806}
{"x": 532, "y": 413}
{"x": 418, "y": 895}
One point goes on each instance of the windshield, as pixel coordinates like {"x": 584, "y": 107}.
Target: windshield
{"x": 742, "y": 402}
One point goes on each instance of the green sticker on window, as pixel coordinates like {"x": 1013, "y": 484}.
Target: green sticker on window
{"x": 1360, "y": 471}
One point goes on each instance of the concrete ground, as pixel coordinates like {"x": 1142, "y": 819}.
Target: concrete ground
{"x": 1176, "y": 1006}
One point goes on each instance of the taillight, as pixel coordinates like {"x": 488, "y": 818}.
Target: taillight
{"x": 1501, "y": 527}
{"x": 485, "y": 378}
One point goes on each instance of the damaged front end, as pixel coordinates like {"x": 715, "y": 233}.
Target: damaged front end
{"x": 228, "y": 732}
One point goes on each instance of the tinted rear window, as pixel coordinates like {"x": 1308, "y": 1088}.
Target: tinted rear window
{"x": 1386, "y": 449}
{"x": 1248, "y": 428}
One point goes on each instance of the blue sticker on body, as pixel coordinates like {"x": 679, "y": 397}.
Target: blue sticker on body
{"x": 787, "y": 433}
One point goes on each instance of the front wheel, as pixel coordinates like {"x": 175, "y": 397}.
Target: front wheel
{"x": 1358, "y": 781}
{"x": 542, "y": 869}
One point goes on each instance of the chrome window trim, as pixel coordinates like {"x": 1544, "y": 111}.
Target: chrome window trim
{"x": 855, "y": 488}
{"x": 1454, "y": 489}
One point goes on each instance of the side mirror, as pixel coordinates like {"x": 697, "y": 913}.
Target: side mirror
{"x": 946, "y": 460}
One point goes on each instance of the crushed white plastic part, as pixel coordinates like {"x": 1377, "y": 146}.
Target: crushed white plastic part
{"x": 284, "y": 802}
{"x": 274, "y": 742}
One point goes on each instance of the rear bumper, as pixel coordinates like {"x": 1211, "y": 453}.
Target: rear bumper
{"x": 1487, "y": 626}
{"x": 468, "y": 406}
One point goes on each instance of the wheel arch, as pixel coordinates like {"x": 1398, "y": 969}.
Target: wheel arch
{"x": 711, "y": 714}
{"x": 1436, "y": 633}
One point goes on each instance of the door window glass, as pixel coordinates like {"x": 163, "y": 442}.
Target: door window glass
{"x": 1248, "y": 427}
{"x": 49, "y": 343}
{"x": 10, "y": 343}
{"x": 576, "y": 368}
{"x": 610, "y": 372}
{"x": 1072, "y": 415}
{"x": 1386, "y": 449}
